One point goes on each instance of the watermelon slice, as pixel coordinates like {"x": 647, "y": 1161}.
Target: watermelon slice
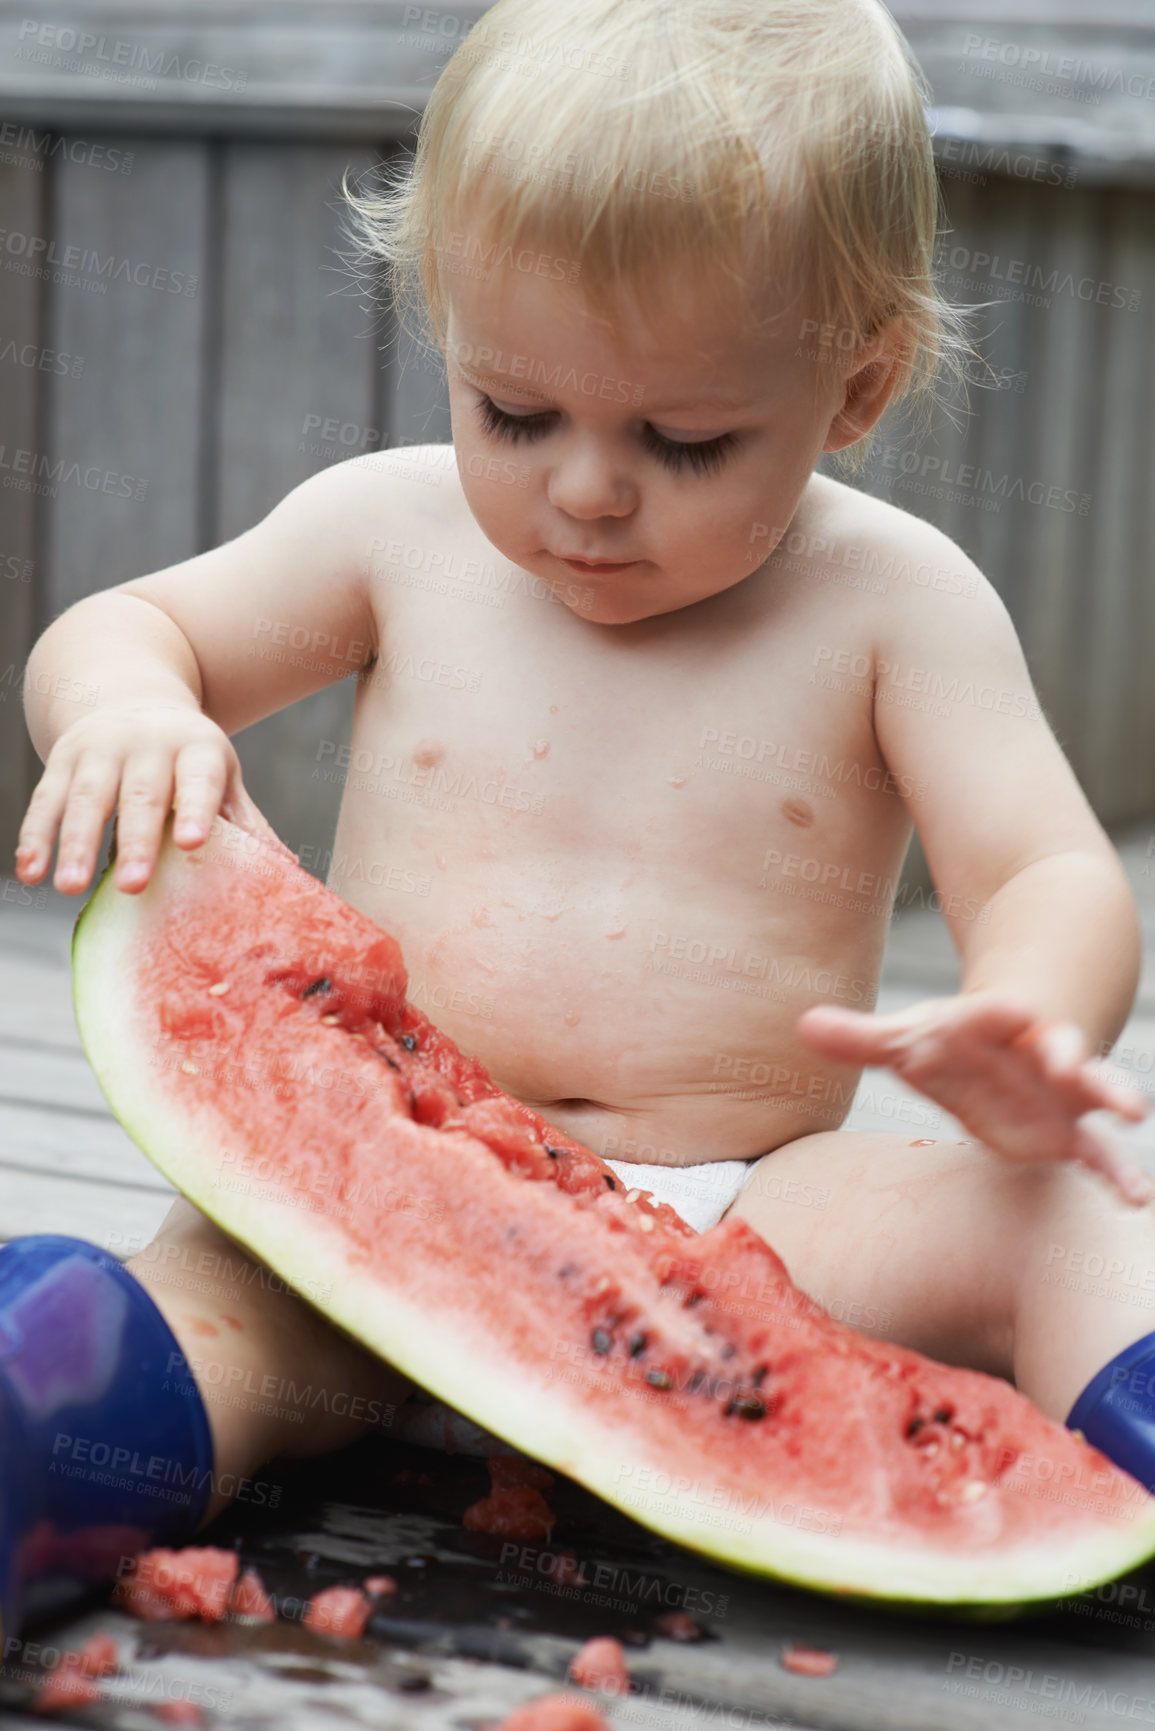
{"x": 251, "y": 1032}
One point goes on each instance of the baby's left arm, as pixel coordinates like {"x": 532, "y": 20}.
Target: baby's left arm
{"x": 1036, "y": 901}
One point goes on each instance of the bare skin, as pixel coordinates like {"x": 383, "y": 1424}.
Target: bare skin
{"x": 625, "y": 790}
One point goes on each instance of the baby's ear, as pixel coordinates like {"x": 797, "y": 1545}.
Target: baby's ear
{"x": 869, "y": 388}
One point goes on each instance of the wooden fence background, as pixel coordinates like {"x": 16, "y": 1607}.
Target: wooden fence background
{"x": 167, "y": 409}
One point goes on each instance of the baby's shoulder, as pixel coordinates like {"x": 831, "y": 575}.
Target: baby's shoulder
{"x": 867, "y": 556}
{"x": 887, "y": 544}
{"x": 404, "y": 485}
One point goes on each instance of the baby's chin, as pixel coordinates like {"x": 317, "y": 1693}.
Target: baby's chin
{"x": 613, "y": 602}
{"x": 610, "y": 608}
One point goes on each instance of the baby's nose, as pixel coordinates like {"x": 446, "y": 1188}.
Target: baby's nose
{"x": 587, "y": 484}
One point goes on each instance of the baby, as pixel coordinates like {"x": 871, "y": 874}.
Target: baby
{"x": 672, "y": 252}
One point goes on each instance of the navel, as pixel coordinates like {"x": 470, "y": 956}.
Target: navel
{"x": 428, "y": 752}
{"x": 797, "y": 811}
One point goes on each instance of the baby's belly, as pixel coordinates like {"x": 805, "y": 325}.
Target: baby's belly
{"x": 626, "y": 1029}
{"x": 680, "y": 1129}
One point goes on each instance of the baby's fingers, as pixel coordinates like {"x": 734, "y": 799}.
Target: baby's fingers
{"x": 849, "y": 1035}
{"x": 238, "y": 807}
{"x": 1087, "y": 1083}
{"x": 1120, "y": 1168}
{"x": 89, "y": 799}
{"x": 202, "y": 774}
{"x": 40, "y": 824}
{"x": 145, "y": 801}
{"x": 1101, "y": 1088}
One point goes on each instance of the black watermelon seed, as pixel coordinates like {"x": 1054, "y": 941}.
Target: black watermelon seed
{"x": 637, "y": 1345}
{"x": 392, "y": 1062}
{"x": 697, "y": 1380}
{"x": 729, "y": 1350}
{"x": 409, "y": 1042}
{"x": 612, "y": 1182}
{"x": 756, "y": 1379}
{"x": 746, "y": 1406}
{"x": 943, "y": 1415}
{"x": 915, "y": 1425}
{"x": 554, "y": 1153}
{"x": 658, "y": 1379}
{"x": 694, "y": 1298}
{"x": 602, "y": 1342}
{"x": 317, "y": 986}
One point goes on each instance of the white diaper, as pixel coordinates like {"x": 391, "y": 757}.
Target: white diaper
{"x": 700, "y": 1194}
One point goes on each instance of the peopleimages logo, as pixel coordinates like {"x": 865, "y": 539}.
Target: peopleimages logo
{"x": 88, "y": 1457}
{"x": 1045, "y": 282}
{"x": 112, "y": 57}
{"x": 25, "y": 145}
{"x": 1036, "y": 68}
{"x": 36, "y": 255}
{"x": 36, "y": 472}
{"x": 973, "y": 478}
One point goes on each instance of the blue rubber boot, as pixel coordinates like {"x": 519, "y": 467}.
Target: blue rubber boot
{"x": 1116, "y": 1411}
{"x": 104, "y": 1446}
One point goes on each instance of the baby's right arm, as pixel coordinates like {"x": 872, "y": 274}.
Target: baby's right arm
{"x": 171, "y": 657}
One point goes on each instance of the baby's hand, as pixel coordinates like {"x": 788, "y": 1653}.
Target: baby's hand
{"x": 1019, "y": 1085}
{"x": 148, "y": 759}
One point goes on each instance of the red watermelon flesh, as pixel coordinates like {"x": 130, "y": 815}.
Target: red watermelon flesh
{"x": 165, "y": 1585}
{"x": 601, "y": 1664}
{"x": 339, "y": 1611}
{"x": 251, "y": 1032}
{"x": 249, "y": 1599}
{"x": 70, "y": 1683}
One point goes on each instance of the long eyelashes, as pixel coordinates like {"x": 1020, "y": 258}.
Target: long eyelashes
{"x": 704, "y": 457}
{"x": 512, "y": 427}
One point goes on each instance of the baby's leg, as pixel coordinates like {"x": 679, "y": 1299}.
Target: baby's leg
{"x": 1034, "y": 1273}
{"x": 269, "y": 1368}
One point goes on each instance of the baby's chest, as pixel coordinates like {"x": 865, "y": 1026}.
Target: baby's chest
{"x": 699, "y": 737}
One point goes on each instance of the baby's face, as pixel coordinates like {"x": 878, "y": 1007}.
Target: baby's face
{"x": 664, "y": 447}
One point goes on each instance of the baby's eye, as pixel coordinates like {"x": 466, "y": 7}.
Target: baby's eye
{"x": 704, "y": 456}
{"x": 506, "y": 426}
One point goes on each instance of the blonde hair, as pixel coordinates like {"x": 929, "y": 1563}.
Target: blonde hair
{"x": 642, "y": 143}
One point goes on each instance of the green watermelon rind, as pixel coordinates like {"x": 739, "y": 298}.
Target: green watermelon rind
{"x": 452, "y": 1365}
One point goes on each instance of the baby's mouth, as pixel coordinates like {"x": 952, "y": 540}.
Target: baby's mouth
{"x": 589, "y": 565}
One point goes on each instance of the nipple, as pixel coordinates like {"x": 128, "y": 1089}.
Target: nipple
{"x": 427, "y": 753}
